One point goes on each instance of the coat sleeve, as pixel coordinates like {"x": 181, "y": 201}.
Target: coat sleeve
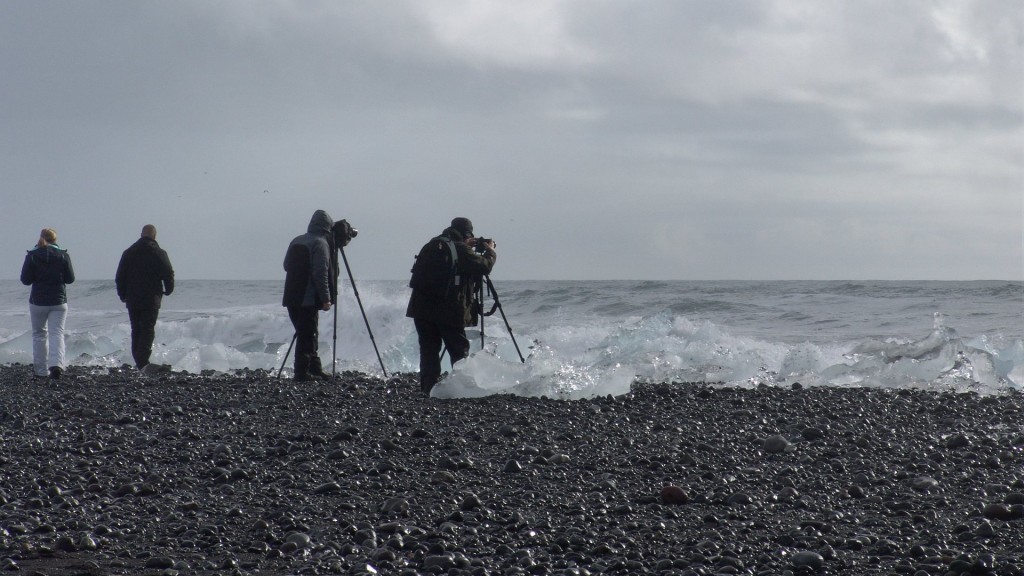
{"x": 473, "y": 263}
{"x": 120, "y": 279}
{"x": 69, "y": 270}
{"x": 168, "y": 273}
{"x": 320, "y": 270}
{"x": 27, "y": 273}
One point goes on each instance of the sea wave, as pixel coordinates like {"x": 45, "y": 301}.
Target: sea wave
{"x": 589, "y": 339}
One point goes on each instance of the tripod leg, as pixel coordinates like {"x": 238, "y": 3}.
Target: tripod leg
{"x": 281, "y": 369}
{"x": 480, "y": 303}
{"x": 444, "y": 350}
{"x": 362, "y": 310}
{"x": 497, "y": 304}
{"x": 334, "y": 344}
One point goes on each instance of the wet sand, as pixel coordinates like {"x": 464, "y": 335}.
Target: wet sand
{"x": 116, "y": 473}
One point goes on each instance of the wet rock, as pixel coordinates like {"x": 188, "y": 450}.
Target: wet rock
{"x": 739, "y": 499}
{"x": 674, "y": 495}
{"x": 811, "y": 560}
{"x": 776, "y": 444}
{"x": 924, "y": 483}
{"x": 470, "y": 502}
{"x": 259, "y": 475}
{"x": 812, "y": 433}
{"x": 442, "y": 477}
{"x": 957, "y": 441}
{"x": 395, "y": 506}
{"x": 1001, "y": 512}
{"x": 328, "y": 488}
{"x": 159, "y": 563}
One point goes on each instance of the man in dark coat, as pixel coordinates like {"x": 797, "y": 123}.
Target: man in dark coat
{"x": 144, "y": 276}
{"x": 442, "y": 318}
{"x": 310, "y": 285}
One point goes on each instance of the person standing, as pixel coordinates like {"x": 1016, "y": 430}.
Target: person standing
{"x": 443, "y": 302}
{"x": 144, "y": 276}
{"x": 310, "y": 285}
{"x": 47, "y": 269}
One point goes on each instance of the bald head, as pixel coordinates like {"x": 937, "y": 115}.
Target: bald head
{"x": 149, "y": 231}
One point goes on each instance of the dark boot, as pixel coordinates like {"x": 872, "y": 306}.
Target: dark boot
{"x": 55, "y": 372}
{"x": 306, "y": 377}
{"x": 316, "y": 369}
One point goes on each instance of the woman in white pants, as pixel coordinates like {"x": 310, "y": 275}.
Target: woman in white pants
{"x": 47, "y": 269}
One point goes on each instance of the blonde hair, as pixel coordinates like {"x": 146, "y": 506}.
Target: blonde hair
{"x": 47, "y": 236}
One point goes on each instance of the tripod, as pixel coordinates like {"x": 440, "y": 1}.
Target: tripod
{"x": 495, "y": 307}
{"x": 362, "y": 310}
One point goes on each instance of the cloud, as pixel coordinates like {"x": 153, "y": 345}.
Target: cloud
{"x": 518, "y": 35}
{"x": 593, "y": 139}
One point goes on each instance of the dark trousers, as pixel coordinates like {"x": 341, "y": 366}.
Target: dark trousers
{"x": 143, "y": 322}
{"x": 431, "y": 337}
{"x": 306, "y": 320}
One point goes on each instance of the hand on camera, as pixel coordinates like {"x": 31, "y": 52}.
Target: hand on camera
{"x": 479, "y": 243}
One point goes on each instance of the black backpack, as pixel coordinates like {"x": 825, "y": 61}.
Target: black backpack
{"x": 434, "y": 271}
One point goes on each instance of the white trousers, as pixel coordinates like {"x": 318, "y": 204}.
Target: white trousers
{"x": 47, "y": 352}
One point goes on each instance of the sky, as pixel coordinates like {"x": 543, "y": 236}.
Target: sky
{"x": 591, "y": 139}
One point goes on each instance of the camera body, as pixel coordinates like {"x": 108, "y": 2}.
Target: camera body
{"x": 480, "y": 245}
{"x": 343, "y": 232}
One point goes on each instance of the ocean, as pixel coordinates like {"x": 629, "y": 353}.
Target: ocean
{"x": 585, "y": 339}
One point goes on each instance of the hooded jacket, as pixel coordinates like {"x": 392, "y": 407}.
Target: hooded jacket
{"x": 144, "y": 275}
{"x": 458, "y": 306}
{"x": 47, "y": 269}
{"x": 310, "y": 277}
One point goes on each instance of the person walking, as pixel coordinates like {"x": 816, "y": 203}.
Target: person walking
{"x": 144, "y": 276}
{"x": 447, "y": 273}
{"x": 310, "y": 285}
{"x": 47, "y": 269}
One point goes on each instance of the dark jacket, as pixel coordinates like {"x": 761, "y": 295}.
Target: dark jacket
{"x": 311, "y": 275}
{"x": 458, "y": 306}
{"x": 144, "y": 275}
{"x": 47, "y": 269}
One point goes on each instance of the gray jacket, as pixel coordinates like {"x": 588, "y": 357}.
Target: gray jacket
{"x": 307, "y": 265}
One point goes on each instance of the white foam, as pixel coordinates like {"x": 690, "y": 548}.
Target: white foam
{"x": 569, "y": 354}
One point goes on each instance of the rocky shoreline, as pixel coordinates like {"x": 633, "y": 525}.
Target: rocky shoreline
{"x": 113, "y": 473}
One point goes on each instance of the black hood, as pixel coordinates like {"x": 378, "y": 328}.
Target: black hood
{"x": 320, "y": 224}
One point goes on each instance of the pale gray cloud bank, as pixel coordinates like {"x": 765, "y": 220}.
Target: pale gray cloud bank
{"x": 669, "y": 139}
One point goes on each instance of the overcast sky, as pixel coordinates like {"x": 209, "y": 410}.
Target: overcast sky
{"x": 661, "y": 139}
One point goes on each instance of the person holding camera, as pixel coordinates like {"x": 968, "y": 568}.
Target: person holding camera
{"x": 445, "y": 278}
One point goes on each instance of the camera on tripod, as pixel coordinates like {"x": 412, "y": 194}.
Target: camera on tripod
{"x": 343, "y": 233}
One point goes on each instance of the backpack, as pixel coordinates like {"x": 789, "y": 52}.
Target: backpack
{"x": 434, "y": 271}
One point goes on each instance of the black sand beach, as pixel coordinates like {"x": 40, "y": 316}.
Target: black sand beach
{"x": 246, "y": 474}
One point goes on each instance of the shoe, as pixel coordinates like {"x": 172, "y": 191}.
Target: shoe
{"x": 320, "y": 374}
{"x": 306, "y": 377}
{"x": 55, "y": 372}
{"x": 155, "y": 368}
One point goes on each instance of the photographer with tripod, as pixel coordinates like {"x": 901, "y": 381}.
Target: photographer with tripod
{"x": 310, "y": 285}
{"x": 304, "y": 296}
{"x": 445, "y": 280}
